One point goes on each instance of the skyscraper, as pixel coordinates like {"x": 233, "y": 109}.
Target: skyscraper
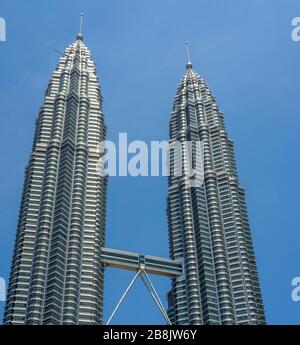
{"x": 208, "y": 225}
{"x": 56, "y": 275}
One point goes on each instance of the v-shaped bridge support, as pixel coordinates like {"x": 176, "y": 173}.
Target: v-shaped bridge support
{"x": 142, "y": 264}
{"x": 147, "y": 282}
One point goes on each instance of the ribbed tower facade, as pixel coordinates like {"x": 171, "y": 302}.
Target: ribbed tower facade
{"x": 56, "y": 275}
{"x": 208, "y": 224}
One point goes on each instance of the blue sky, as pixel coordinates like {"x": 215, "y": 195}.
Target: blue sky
{"x": 244, "y": 51}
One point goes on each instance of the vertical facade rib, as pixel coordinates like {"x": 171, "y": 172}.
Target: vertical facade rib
{"x": 208, "y": 224}
{"x": 56, "y": 275}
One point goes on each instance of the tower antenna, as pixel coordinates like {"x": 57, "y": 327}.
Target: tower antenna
{"x": 80, "y": 36}
{"x": 189, "y": 63}
{"x": 81, "y": 22}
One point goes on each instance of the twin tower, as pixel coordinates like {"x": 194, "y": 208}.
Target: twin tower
{"x": 57, "y": 273}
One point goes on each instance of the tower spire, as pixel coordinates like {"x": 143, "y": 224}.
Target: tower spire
{"x": 80, "y": 36}
{"x": 189, "y": 63}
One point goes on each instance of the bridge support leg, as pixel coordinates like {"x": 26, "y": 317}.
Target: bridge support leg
{"x": 155, "y": 296}
{"x": 124, "y": 295}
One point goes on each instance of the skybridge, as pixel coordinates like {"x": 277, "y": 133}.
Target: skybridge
{"x": 142, "y": 265}
{"x": 133, "y": 261}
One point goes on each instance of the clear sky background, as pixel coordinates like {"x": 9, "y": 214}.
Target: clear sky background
{"x": 244, "y": 51}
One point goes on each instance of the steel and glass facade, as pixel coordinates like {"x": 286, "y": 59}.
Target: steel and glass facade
{"x": 56, "y": 275}
{"x": 208, "y": 225}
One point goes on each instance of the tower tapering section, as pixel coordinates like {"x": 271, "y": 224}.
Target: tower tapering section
{"x": 56, "y": 275}
{"x": 208, "y": 224}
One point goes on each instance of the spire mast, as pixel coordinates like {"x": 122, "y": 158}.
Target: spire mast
{"x": 81, "y": 22}
{"x": 80, "y": 36}
{"x": 189, "y": 63}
